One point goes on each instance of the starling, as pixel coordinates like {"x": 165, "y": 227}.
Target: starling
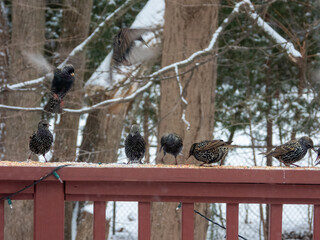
{"x": 292, "y": 151}
{"x": 135, "y": 145}
{"x": 210, "y": 151}
{"x": 123, "y": 44}
{"x": 171, "y": 143}
{"x": 318, "y": 158}
{"x": 41, "y": 141}
{"x": 61, "y": 84}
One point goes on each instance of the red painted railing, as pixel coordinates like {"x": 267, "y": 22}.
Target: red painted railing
{"x": 274, "y": 186}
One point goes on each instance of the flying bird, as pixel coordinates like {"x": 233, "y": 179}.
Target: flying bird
{"x": 292, "y": 151}
{"x": 171, "y": 143}
{"x": 210, "y": 151}
{"x": 135, "y": 146}
{"x": 41, "y": 141}
{"x": 61, "y": 84}
{"x": 126, "y": 52}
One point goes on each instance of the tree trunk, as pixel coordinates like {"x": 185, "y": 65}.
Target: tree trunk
{"x": 28, "y": 24}
{"x": 75, "y": 28}
{"x": 4, "y": 67}
{"x": 190, "y": 28}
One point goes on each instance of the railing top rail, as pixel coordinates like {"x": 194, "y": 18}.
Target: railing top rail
{"x": 151, "y": 173}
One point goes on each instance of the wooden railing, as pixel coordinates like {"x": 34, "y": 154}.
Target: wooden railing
{"x": 274, "y": 186}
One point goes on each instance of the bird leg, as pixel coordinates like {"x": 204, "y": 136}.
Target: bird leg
{"x": 55, "y": 96}
{"x": 62, "y": 104}
{"x": 294, "y": 164}
{"x": 175, "y": 158}
{"x": 45, "y": 157}
{"x": 30, "y": 156}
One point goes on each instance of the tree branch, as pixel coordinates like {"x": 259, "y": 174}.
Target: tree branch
{"x": 107, "y": 22}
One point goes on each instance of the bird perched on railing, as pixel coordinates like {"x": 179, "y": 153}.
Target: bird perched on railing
{"x": 135, "y": 146}
{"x": 171, "y": 143}
{"x": 41, "y": 140}
{"x": 210, "y": 151}
{"x": 61, "y": 84}
{"x": 292, "y": 151}
{"x": 124, "y": 51}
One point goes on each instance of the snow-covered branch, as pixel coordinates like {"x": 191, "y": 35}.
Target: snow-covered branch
{"x": 107, "y": 21}
{"x": 293, "y": 54}
{"x": 291, "y": 51}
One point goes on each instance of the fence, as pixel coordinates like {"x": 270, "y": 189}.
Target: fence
{"x": 146, "y": 184}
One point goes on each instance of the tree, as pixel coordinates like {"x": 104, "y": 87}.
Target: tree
{"x": 27, "y": 36}
{"x": 188, "y": 27}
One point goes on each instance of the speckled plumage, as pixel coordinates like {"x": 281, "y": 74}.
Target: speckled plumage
{"x": 210, "y": 151}
{"x": 135, "y": 146}
{"x": 41, "y": 141}
{"x": 61, "y": 84}
{"x": 292, "y": 151}
{"x": 123, "y": 43}
{"x": 171, "y": 143}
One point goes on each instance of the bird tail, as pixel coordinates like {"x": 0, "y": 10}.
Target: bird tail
{"x": 53, "y": 105}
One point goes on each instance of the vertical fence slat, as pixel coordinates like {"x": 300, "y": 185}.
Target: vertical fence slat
{"x": 99, "y": 220}
{"x": 49, "y": 211}
{"x": 275, "y": 222}
{"x": 1, "y": 220}
{"x": 232, "y": 221}
{"x": 316, "y": 222}
{"x": 187, "y": 221}
{"x": 144, "y": 221}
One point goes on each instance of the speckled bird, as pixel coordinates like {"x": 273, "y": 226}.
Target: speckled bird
{"x": 292, "y": 151}
{"x": 135, "y": 146}
{"x": 41, "y": 140}
{"x": 210, "y": 151}
{"x": 171, "y": 143}
{"x": 317, "y": 161}
{"x": 61, "y": 84}
{"x": 123, "y": 44}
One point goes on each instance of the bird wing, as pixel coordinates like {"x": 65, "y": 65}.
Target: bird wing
{"x": 283, "y": 149}
{"x": 57, "y": 81}
{"x": 213, "y": 144}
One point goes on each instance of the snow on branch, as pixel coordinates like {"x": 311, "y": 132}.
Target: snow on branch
{"x": 183, "y": 117}
{"x": 293, "y": 54}
{"x": 271, "y": 32}
{"x": 107, "y": 21}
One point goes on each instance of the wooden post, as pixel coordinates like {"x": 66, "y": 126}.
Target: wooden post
{"x": 49, "y": 211}
{"x": 99, "y": 220}
{"x": 187, "y": 221}
{"x": 316, "y": 222}
{"x": 1, "y": 220}
{"x": 144, "y": 221}
{"x": 232, "y": 221}
{"x": 275, "y": 222}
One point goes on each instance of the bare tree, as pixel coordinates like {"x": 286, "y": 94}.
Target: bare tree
{"x": 189, "y": 26}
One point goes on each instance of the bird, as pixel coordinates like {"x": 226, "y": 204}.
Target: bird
{"x": 123, "y": 44}
{"x": 317, "y": 161}
{"x": 135, "y": 146}
{"x": 210, "y": 151}
{"x": 61, "y": 84}
{"x": 41, "y": 140}
{"x": 171, "y": 143}
{"x": 292, "y": 151}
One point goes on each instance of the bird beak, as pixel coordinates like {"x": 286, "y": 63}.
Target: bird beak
{"x": 72, "y": 74}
